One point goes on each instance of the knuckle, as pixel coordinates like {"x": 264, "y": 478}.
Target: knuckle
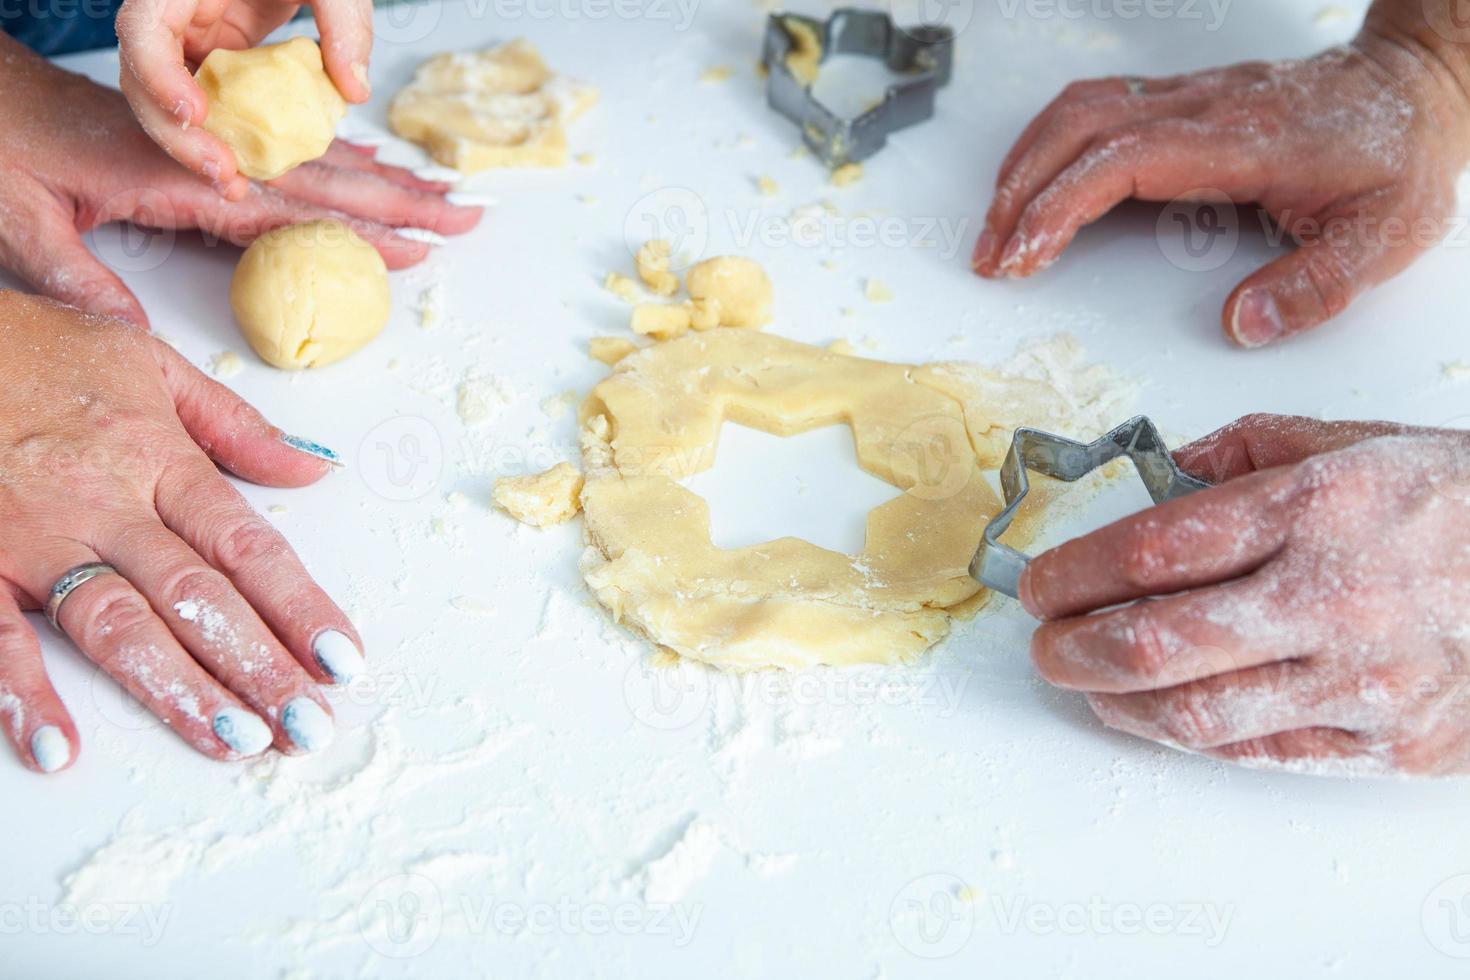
{"x": 1189, "y": 719}
{"x": 114, "y": 611}
{"x": 1146, "y": 555}
{"x": 1330, "y": 282}
{"x": 246, "y": 542}
{"x": 194, "y": 583}
{"x": 1148, "y": 650}
{"x": 16, "y": 635}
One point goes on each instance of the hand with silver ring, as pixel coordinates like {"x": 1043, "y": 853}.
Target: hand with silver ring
{"x": 116, "y": 521}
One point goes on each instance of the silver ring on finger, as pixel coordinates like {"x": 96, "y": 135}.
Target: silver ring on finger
{"x": 68, "y": 583}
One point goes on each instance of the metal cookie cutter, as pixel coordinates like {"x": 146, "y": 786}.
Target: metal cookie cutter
{"x": 999, "y": 567}
{"x": 924, "y": 53}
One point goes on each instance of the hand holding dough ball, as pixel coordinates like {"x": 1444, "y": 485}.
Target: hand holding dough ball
{"x": 273, "y": 105}
{"x": 740, "y": 288}
{"x": 307, "y": 295}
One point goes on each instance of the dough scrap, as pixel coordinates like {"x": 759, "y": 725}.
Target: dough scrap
{"x": 652, "y": 262}
{"x": 610, "y": 350}
{"x": 739, "y": 286}
{"x": 661, "y": 321}
{"x": 540, "y": 499}
{"x": 273, "y": 105}
{"x": 310, "y": 294}
{"x": 497, "y": 108}
{"x": 788, "y": 603}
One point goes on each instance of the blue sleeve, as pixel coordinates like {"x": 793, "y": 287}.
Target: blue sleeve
{"x": 51, "y": 27}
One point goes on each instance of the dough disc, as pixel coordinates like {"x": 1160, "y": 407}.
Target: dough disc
{"x": 787, "y": 603}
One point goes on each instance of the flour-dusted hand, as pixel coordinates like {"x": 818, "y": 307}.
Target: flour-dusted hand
{"x": 158, "y": 41}
{"x": 73, "y": 158}
{"x": 109, "y": 442}
{"x": 1353, "y": 154}
{"x": 1312, "y": 612}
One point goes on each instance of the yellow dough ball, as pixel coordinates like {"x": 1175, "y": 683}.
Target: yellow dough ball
{"x": 736, "y": 287}
{"x": 307, "y": 295}
{"x": 273, "y": 105}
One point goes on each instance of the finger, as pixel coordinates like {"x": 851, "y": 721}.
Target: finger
{"x": 1310, "y": 751}
{"x": 1188, "y": 542}
{"x": 213, "y": 519}
{"x": 350, "y": 156}
{"x": 197, "y": 149}
{"x": 222, "y": 632}
{"x": 1262, "y": 441}
{"x": 1237, "y": 707}
{"x": 36, "y": 722}
{"x": 1159, "y": 643}
{"x": 347, "y": 40}
{"x": 1070, "y": 129}
{"x": 43, "y": 248}
{"x": 151, "y": 53}
{"x": 118, "y": 631}
{"x": 1156, "y": 161}
{"x": 264, "y": 208}
{"x": 364, "y": 194}
{"x": 234, "y": 434}
{"x": 1308, "y": 286}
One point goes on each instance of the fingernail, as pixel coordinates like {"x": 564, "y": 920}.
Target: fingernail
{"x": 338, "y": 656}
{"x": 311, "y": 448}
{"x": 421, "y": 235}
{"x": 359, "y": 72}
{"x": 307, "y": 726}
{"x": 983, "y": 247}
{"x": 211, "y": 172}
{"x": 242, "y": 731}
{"x": 1257, "y": 319}
{"x": 468, "y": 199}
{"x": 50, "y": 748}
{"x": 443, "y": 175}
{"x": 183, "y": 112}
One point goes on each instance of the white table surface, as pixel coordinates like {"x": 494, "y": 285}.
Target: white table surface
{"x": 834, "y": 831}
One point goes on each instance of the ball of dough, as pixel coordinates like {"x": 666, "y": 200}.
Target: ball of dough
{"x": 739, "y": 287}
{"x": 307, "y": 295}
{"x": 273, "y": 105}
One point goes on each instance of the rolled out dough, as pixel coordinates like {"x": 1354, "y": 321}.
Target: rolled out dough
{"x": 656, "y": 419}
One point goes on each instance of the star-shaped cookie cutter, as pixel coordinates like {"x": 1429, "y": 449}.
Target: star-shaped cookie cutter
{"x": 998, "y": 566}
{"x": 924, "y": 53}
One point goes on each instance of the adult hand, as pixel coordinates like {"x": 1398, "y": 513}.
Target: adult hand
{"x": 73, "y": 158}
{"x": 108, "y": 446}
{"x": 160, "y": 41}
{"x": 1309, "y": 613}
{"x": 1353, "y": 154}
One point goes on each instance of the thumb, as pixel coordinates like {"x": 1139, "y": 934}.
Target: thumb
{"x": 44, "y": 249}
{"x": 1262, "y": 441}
{"x": 1312, "y": 284}
{"x": 234, "y": 434}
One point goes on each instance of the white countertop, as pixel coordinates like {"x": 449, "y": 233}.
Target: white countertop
{"x": 823, "y": 823}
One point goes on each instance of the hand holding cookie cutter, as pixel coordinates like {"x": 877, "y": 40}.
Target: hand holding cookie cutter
{"x": 998, "y": 566}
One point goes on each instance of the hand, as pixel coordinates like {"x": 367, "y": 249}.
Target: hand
{"x": 1307, "y": 614}
{"x": 1353, "y": 153}
{"x": 74, "y": 158}
{"x": 159, "y": 41}
{"x": 106, "y": 442}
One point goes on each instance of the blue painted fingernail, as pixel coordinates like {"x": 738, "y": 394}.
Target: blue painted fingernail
{"x": 311, "y": 448}
{"x": 50, "y": 748}
{"x": 307, "y": 725}
{"x": 338, "y": 656}
{"x": 242, "y": 731}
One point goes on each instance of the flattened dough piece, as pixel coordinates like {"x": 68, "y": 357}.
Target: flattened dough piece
{"x": 498, "y": 108}
{"x": 788, "y": 603}
{"x": 540, "y": 499}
